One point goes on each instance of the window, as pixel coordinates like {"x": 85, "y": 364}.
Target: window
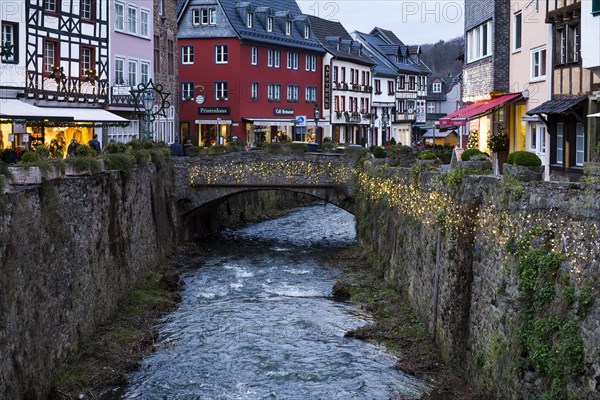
{"x": 352, "y": 76}
{"x": 335, "y": 74}
{"x": 187, "y": 54}
{"x": 119, "y": 17}
{"x": 391, "y": 88}
{"x": 479, "y": 42}
{"x": 274, "y": 58}
{"x": 293, "y": 93}
{"x": 212, "y": 16}
{"x": 430, "y": 107}
{"x": 51, "y": 55}
{"x": 269, "y": 24}
{"x": 161, "y": 7}
{"x": 254, "y": 91}
{"x": 311, "y": 94}
{"x": 436, "y": 87}
{"x": 205, "y": 14}
{"x": 132, "y": 19}
{"x": 542, "y": 131}
{"x": 343, "y": 76}
{"x": 144, "y": 23}
{"x": 52, "y": 5}
{"x": 580, "y": 145}
{"x": 250, "y": 19}
{"x": 9, "y": 40}
{"x": 187, "y": 90}
{"x": 221, "y": 54}
{"x": 560, "y": 131}
{"x": 144, "y": 72}
{"x": 195, "y": 16}
{"x": 306, "y": 31}
{"x": 518, "y": 25}
{"x": 274, "y": 92}
{"x": 574, "y": 43}
{"x": 156, "y": 54}
{"x": 402, "y": 82}
{"x": 170, "y": 56}
{"x": 595, "y": 7}
{"x": 336, "y": 103}
{"x": 288, "y": 28}
{"x": 119, "y": 71}
{"x": 87, "y": 9}
{"x": 411, "y": 83}
{"x": 254, "y": 56}
{"x": 561, "y": 46}
{"x": 533, "y": 137}
{"x": 311, "y": 64}
{"x": 87, "y": 60}
{"x": 292, "y": 60}
{"x": 538, "y": 64}
{"x": 132, "y": 72}
{"x": 377, "y": 86}
{"x": 221, "y": 92}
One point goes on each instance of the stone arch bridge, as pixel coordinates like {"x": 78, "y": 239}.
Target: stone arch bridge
{"x": 206, "y": 180}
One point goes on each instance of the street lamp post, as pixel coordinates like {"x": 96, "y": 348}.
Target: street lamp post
{"x": 384, "y": 121}
{"x": 148, "y": 104}
{"x": 372, "y": 119}
{"x": 317, "y": 114}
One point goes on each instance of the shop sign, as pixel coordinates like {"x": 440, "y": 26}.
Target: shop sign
{"x": 283, "y": 111}
{"x": 213, "y": 110}
{"x": 327, "y": 89}
{"x": 301, "y": 120}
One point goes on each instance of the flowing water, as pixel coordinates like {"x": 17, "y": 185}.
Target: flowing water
{"x": 257, "y": 322}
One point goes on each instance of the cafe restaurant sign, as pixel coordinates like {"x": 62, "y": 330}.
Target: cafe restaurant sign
{"x": 283, "y": 111}
{"x": 213, "y": 110}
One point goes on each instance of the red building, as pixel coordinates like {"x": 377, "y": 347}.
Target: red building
{"x": 249, "y": 70}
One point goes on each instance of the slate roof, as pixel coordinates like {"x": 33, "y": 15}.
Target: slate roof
{"x": 386, "y": 34}
{"x": 558, "y": 105}
{"x": 281, "y": 10}
{"x": 331, "y": 33}
{"x": 387, "y": 51}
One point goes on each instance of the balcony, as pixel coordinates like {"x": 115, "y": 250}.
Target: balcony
{"x": 120, "y": 96}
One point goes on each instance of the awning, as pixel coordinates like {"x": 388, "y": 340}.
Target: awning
{"x": 95, "y": 115}
{"x": 19, "y": 110}
{"x": 478, "y": 109}
{"x": 438, "y": 134}
{"x": 597, "y": 115}
{"x": 558, "y": 105}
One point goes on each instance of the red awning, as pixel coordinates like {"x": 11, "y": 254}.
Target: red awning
{"x": 460, "y": 117}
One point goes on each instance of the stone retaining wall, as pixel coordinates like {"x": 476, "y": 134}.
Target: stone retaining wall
{"x": 461, "y": 251}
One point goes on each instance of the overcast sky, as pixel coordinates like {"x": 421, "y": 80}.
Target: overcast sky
{"x": 414, "y": 22}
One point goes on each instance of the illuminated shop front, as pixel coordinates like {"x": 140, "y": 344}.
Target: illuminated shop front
{"x": 213, "y": 132}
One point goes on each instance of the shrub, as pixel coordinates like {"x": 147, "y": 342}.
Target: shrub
{"x": 298, "y": 147}
{"x": 426, "y": 155}
{"x": 82, "y": 163}
{"x": 400, "y": 149}
{"x": 479, "y": 157}
{"x": 525, "y": 158}
{"x": 29, "y": 157}
{"x": 218, "y": 149}
{"x": 499, "y": 140}
{"x": 234, "y": 146}
{"x": 158, "y": 157}
{"x": 147, "y": 144}
{"x": 142, "y": 156}
{"x": 42, "y": 151}
{"x": 193, "y": 151}
{"x": 468, "y": 154}
{"x": 83, "y": 150}
{"x": 115, "y": 148}
{"x": 378, "y": 152}
{"x": 134, "y": 144}
{"x": 119, "y": 161}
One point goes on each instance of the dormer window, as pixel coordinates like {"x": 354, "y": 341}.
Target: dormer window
{"x": 195, "y": 16}
{"x": 436, "y": 87}
{"x": 249, "y": 19}
{"x": 306, "y": 31}
{"x": 269, "y": 24}
{"x": 288, "y": 28}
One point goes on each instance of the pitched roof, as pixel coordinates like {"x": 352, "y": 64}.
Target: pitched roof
{"x": 559, "y": 105}
{"x": 386, "y": 35}
{"x": 336, "y": 40}
{"x": 282, "y": 11}
{"x": 387, "y": 52}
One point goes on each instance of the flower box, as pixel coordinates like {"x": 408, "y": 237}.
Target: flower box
{"x": 25, "y": 175}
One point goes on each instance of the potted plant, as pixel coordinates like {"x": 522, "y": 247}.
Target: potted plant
{"x": 524, "y": 165}
{"x": 498, "y": 143}
{"x": 474, "y": 159}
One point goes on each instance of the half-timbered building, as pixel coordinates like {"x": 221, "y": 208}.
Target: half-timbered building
{"x": 565, "y": 114}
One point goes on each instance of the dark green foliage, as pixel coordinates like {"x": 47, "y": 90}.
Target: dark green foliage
{"x": 83, "y": 150}
{"x": 234, "y": 146}
{"x": 158, "y": 157}
{"x": 29, "y": 157}
{"x": 147, "y": 144}
{"x": 193, "y": 151}
{"x": 524, "y": 158}
{"x": 378, "y": 152}
{"x": 134, "y": 144}
{"x": 426, "y": 155}
{"x": 467, "y": 154}
{"x": 585, "y": 299}
{"x": 218, "y": 149}
{"x": 84, "y": 163}
{"x": 142, "y": 156}
{"x": 498, "y": 140}
{"x": 119, "y": 161}
{"x": 397, "y": 149}
{"x": 115, "y": 148}
{"x": 298, "y": 147}
{"x": 42, "y": 151}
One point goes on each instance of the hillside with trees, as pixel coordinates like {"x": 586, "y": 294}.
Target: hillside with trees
{"x": 441, "y": 56}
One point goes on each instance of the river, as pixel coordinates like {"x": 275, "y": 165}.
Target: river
{"x": 257, "y": 321}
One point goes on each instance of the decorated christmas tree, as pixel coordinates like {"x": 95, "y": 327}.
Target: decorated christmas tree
{"x": 473, "y": 142}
